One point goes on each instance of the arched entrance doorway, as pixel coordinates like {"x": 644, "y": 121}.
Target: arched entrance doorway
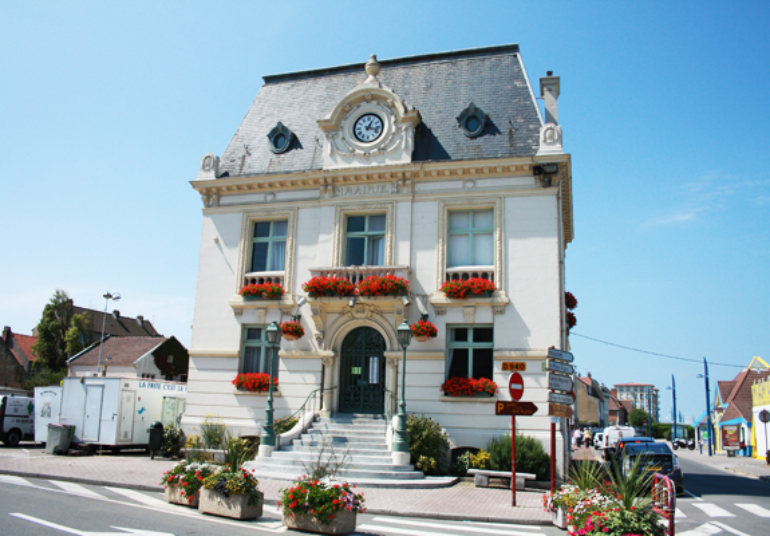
{"x": 362, "y": 372}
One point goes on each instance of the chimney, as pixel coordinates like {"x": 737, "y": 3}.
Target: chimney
{"x": 549, "y": 90}
{"x": 589, "y": 374}
{"x": 7, "y": 335}
{"x": 140, "y": 319}
{"x": 116, "y": 314}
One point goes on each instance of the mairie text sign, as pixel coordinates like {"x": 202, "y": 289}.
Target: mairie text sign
{"x": 515, "y": 408}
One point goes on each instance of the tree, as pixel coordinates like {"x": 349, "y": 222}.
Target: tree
{"x": 79, "y": 334}
{"x": 51, "y": 345}
{"x": 637, "y": 417}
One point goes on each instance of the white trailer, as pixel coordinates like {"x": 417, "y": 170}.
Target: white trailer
{"x": 117, "y": 412}
{"x": 47, "y": 409}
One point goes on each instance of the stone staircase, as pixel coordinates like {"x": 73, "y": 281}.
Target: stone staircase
{"x": 359, "y": 439}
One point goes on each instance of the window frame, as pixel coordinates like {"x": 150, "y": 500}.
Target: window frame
{"x": 470, "y": 232}
{"x": 367, "y": 235}
{"x": 470, "y": 345}
{"x": 341, "y": 214}
{"x": 262, "y": 343}
{"x": 270, "y": 240}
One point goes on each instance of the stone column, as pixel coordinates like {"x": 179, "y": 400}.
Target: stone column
{"x": 328, "y": 363}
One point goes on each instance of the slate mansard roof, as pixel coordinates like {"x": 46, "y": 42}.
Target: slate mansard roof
{"x": 439, "y": 86}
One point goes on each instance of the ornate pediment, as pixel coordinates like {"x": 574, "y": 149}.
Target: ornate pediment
{"x": 371, "y": 125}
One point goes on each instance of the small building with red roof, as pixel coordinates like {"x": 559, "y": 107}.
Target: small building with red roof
{"x": 16, "y": 358}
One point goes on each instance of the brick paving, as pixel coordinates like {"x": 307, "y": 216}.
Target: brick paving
{"x": 463, "y": 501}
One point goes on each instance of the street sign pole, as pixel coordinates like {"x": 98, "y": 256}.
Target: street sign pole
{"x": 553, "y": 455}
{"x": 513, "y": 459}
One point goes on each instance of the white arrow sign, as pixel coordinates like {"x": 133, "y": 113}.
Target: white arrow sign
{"x": 557, "y": 366}
{"x": 69, "y": 530}
{"x": 560, "y": 383}
{"x": 553, "y": 353}
{"x": 558, "y": 398}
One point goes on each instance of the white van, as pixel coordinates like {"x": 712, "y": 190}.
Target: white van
{"x": 17, "y": 419}
{"x": 611, "y": 436}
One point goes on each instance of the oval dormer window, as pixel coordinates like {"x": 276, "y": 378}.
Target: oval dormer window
{"x": 280, "y": 138}
{"x": 472, "y": 120}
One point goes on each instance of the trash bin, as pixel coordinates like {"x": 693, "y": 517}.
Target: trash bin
{"x": 731, "y": 453}
{"x": 156, "y": 438}
{"x": 59, "y": 438}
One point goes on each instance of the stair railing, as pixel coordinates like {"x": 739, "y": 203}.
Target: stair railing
{"x": 306, "y": 414}
{"x": 390, "y": 403}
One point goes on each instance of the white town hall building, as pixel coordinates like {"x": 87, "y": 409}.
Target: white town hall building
{"x": 430, "y": 168}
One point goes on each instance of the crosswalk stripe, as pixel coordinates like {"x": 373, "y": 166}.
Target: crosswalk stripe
{"x": 729, "y": 529}
{"x": 140, "y": 497}
{"x": 679, "y": 513}
{"x": 755, "y": 509}
{"x": 16, "y": 480}
{"x": 712, "y": 510}
{"x": 465, "y": 527}
{"x": 76, "y": 489}
{"x": 396, "y": 530}
{"x": 706, "y": 529}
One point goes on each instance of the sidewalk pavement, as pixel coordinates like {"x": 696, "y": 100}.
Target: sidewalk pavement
{"x": 463, "y": 501}
{"x": 741, "y": 465}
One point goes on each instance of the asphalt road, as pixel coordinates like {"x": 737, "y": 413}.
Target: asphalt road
{"x": 36, "y": 507}
{"x": 720, "y": 502}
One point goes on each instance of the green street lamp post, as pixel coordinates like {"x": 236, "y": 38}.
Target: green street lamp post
{"x": 268, "y": 434}
{"x": 401, "y": 443}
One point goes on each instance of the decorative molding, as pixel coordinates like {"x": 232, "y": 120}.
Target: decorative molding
{"x": 261, "y": 314}
{"x": 469, "y": 311}
{"x": 498, "y": 309}
{"x": 392, "y": 362}
{"x": 550, "y": 140}
{"x": 521, "y": 354}
{"x": 346, "y": 323}
{"x": 328, "y": 361}
{"x": 471, "y": 399}
{"x": 341, "y": 212}
{"x": 499, "y": 300}
{"x": 214, "y": 352}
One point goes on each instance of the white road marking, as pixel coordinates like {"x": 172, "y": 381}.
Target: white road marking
{"x": 465, "y": 527}
{"x": 704, "y": 530}
{"x": 75, "y": 489}
{"x": 679, "y": 514}
{"x": 70, "y": 530}
{"x": 755, "y": 509}
{"x": 396, "y": 530}
{"x": 19, "y": 481}
{"x": 693, "y": 496}
{"x": 730, "y": 529}
{"x": 140, "y": 497}
{"x": 712, "y": 510}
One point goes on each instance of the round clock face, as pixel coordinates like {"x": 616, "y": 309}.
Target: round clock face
{"x": 368, "y": 128}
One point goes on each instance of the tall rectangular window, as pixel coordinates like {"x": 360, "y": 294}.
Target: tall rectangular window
{"x": 365, "y": 240}
{"x": 470, "y": 352}
{"x": 470, "y": 238}
{"x": 256, "y": 352}
{"x": 268, "y": 246}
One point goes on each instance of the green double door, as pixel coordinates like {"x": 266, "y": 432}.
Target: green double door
{"x": 362, "y": 372}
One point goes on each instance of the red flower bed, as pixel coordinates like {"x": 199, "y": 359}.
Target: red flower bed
{"x": 468, "y": 386}
{"x": 319, "y": 286}
{"x": 423, "y": 328}
{"x": 254, "y": 381}
{"x": 383, "y": 285}
{"x": 266, "y": 291}
{"x": 474, "y": 286}
{"x": 570, "y": 300}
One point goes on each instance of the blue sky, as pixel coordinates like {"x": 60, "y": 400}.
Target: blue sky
{"x": 106, "y": 109}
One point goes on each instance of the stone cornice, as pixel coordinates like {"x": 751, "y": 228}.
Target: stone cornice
{"x": 402, "y": 174}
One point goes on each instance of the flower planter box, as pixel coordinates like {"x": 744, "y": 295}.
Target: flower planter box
{"x": 173, "y": 495}
{"x": 344, "y": 522}
{"x": 422, "y": 338}
{"x": 290, "y": 337}
{"x": 234, "y": 506}
{"x": 559, "y": 518}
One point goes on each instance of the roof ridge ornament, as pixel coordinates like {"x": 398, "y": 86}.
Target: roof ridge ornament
{"x": 372, "y": 69}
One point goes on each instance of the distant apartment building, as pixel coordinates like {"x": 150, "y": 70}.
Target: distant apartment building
{"x": 642, "y": 396}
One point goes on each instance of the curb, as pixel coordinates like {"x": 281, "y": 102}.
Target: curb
{"x": 373, "y": 511}
{"x": 764, "y": 478}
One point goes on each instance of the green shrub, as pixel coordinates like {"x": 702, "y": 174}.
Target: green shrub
{"x": 661, "y": 430}
{"x": 530, "y": 456}
{"x": 240, "y": 450}
{"x": 172, "y": 442}
{"x": 462, "y": 463}
{"x": 427, "y": 441}
{"x": 480, "y": 460}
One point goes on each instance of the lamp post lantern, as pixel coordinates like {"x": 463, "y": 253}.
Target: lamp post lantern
{"x": 401, "y": 443}
{"x": 267, "y": 439}
{"x": 107, "y": 297}
{"x": 709, "y": 425}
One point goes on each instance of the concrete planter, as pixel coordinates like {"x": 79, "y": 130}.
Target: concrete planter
{"x": 344, "y": 522}
{"x": 174, "y": 495}
{"x": 234, "y": 506}
{"x": 559, "y": 518}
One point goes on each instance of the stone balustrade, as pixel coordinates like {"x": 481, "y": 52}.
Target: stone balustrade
{"x": 257, "y": 278}
{"x": 354, "y": 274}
{"x": 461, "y": 273}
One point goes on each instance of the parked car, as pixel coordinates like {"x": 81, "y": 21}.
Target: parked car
{"x": 17, "y": 419}
{"x": 656, "y": 457}
{"x": 611, "y": 436}
{"x": 598, "y": 440}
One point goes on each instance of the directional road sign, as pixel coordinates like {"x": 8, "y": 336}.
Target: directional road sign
{"x": 558, "y": 382}
{"x": 558, "y": 398}
{"x": 515, "y": 408}
{"x": 557, "y": 410}
{"x": 558, "y": 366}
{"x": 516, "y": 386}
{"x": 553, "y": 353}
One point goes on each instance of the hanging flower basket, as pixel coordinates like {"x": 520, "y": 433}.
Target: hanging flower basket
{"x": 319, "y": 286}
{"x": 292, "y": 330}
{"x": 262, "y": 291}
{"x": 254, "y": 381}
{"x": 571, "y": 320}
{"x": 570, "y": 300}
{"x": 424, "y": 330}
{"x": 383, "y": 285}
{"x": 474, "y": 287}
